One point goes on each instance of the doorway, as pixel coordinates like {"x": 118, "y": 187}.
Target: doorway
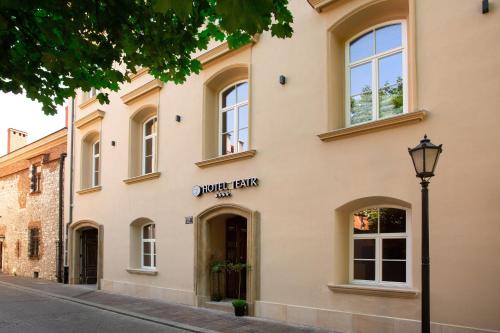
{"x": 88, "y": 256}
{"x": 236, "y": 252}
{"x": 226, "y": 232}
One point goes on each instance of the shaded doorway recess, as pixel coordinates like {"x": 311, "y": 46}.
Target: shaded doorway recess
{"x": 236, "y": 252}
{"x": 88, "y": 256}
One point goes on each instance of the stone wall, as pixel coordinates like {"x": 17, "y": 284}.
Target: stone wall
{"x": 21, "y": 210}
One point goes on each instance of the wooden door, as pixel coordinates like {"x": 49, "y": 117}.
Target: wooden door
{"x": 88, "y": 256}
{"x": 1, "y": 255}
{"x": 236, "y": 252}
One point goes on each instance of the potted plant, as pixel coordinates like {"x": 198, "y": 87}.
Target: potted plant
{"x": 240, "y": 305}
{"x": 216, "y": 268}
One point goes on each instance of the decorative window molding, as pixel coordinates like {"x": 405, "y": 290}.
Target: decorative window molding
{"x": 219, "y": 82}
{"x": 226, "y": 158}
{"x": 319, "y": 5}
{"x": 221, "y": 50}
{"x": 90, "y": 190}
{"x": 377, "y": 125}
{"x": 89, "y": 119}
{"x": 142, "y": 178}
{"x": 138, "y": 74}
{"x": 141, "y": 271}
{"x": 373, "y": 290}
{"x": 145, "y": 89}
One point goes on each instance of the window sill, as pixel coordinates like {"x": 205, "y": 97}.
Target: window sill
{"x": 226, "y": 158}
{"x": 374, "y": 290}
{"x": 36, "y": 193}
{"x": 90, "y": 190}
{"x": 87, "y": 102}
{"x": 142, "y": 178}
{"x": 403, "y": 119}
{"x": 142, "y": 271}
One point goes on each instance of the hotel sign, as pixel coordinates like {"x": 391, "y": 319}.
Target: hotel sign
{"x": 224, "y": 189}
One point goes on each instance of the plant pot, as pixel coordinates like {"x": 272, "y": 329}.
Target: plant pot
{"x": 240, "y": 311}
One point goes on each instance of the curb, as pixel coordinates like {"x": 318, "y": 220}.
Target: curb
{"x": 108, "y": 308}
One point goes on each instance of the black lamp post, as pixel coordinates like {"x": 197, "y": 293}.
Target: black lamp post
{"x": 425, "y": 156}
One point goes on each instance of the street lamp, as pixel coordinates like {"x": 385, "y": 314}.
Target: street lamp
{"x": 425, "y": 156}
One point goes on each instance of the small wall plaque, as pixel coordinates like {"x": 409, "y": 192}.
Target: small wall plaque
{"x": 189, "y": 220}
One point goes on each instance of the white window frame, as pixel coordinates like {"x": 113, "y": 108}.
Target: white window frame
{"x": 374, "y": 60}
{"x": 153, "y": 136}
{"x": 95, "y": 168}
{"x": 152, "y": 242}
{"x": 378, "y": 250}
{"x": 87, "y": 95}
{"x": 234, "y": 107}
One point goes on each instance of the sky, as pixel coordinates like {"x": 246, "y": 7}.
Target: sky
{"x": 19, "y": 112}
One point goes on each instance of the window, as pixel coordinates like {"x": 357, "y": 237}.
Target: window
{"x": 376, "y": 74}
{"x": 34, "y": 242}
{"x": 149, "y": 145}
{"x": 95, "y": 164}
{"x": 379, "y": 247}
{"x": 36, "y": 179}
{"x": 148, "y": 247}
{"x": 233, "y": 118}
{"x": 89, "y": 94}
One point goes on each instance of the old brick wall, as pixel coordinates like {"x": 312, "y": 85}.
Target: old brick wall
{"x": 22, "y": 210}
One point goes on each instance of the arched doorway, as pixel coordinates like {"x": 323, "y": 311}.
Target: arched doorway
{"x": 226, "y": 233}
{"x": 85, "y": 253}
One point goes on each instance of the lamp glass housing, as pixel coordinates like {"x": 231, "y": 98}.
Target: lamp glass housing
{"x": 425, "y": 157}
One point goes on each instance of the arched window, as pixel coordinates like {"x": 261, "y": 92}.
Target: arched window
{"x": 96, "y": 163}
{"x": 233, "y": 119}
{"x": 149, "y": 145}
{"x": 380, "y": 246}
{"x": 376, "y": 74}
{"x": 148, "y": 257}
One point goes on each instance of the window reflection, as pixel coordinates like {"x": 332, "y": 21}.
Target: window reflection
{"x": 234, "y": 119}
{"x": 375, "y": 75}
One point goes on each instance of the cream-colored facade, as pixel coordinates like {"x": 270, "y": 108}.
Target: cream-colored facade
{"x": 313, "y": 172}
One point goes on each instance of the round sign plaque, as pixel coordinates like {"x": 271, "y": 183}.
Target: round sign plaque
{"x": 196, "y": 191}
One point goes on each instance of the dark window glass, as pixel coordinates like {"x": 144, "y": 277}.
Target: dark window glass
{"x": 34, "y": 240}
{"x": 148, "y": 168}
{"x": 149, "y": 147}
{"x": 229, "y": 97}
{"x": 394, "y": 271}
{"x": 392, "y": 220}
{"x": 147, "y": 260}
{"x": 147, "y": 247}
{"x": 365, "y": 221}
{"x": 364, "y": 270}
{"x": 364, "y": 249}
{"x": 227, "y": 121}
{"x": 394, "y": 248}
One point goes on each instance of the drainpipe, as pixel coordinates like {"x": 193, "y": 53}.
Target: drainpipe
{"x": 71, "y": 184}
{"x": 60, "y": 253}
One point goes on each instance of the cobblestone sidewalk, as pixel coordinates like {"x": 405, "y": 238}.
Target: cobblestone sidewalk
{"x": 182, "y": 316}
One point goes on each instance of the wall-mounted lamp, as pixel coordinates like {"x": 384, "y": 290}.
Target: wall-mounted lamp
{"x": 486, "y": 6}
{"x": 178, "y": 118}
{"x": 113, "y": 143}
{"x": 282, "y": 80}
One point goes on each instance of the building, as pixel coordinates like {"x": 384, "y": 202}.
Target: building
{"x": 305, "y": 177}
{"x": 31, "y": 226}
